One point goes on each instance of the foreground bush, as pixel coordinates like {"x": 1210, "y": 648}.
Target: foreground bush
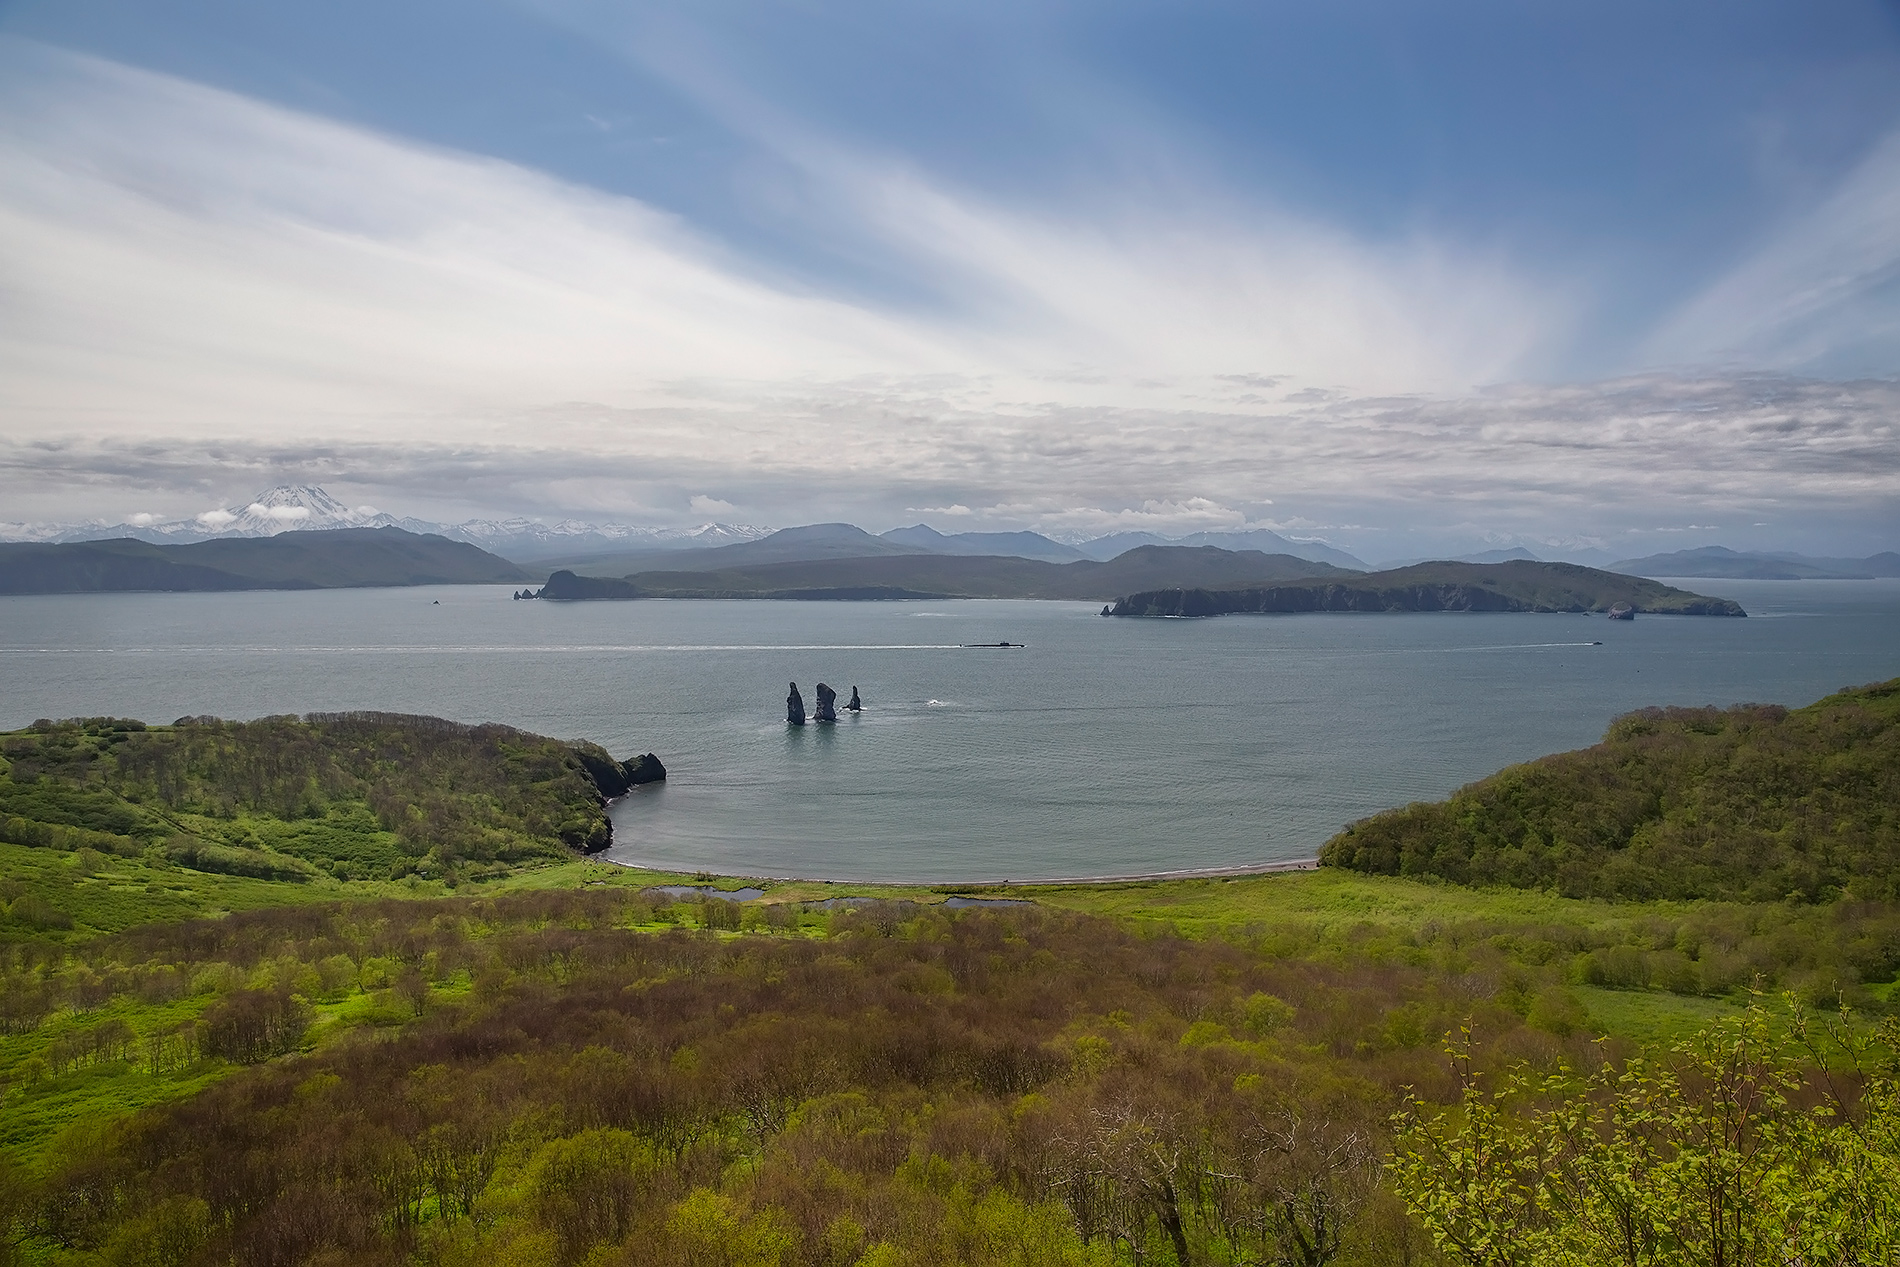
{"x": 1739, "y": 1147}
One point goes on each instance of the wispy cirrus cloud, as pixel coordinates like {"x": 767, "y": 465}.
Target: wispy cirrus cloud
{"x": 1820, "y": 295}
{"x": 180, "y": 252}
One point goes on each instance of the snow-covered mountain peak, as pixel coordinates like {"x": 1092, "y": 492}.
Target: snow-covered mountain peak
{"x": 288, "y": 507}
{"x": 307, "y": 507}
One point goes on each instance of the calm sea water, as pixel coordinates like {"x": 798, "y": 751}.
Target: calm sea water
{"x": 1103, "y": 747}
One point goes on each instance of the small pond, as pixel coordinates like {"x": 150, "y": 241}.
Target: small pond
{"x": 707, "y": 890}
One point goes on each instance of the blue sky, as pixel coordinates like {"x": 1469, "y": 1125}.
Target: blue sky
{"x": 1396, "y": 274}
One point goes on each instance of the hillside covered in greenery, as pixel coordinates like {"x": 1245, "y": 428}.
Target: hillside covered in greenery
{"x": 485, "y": 1049}
{"x": 1753, "y": 803}
{"x": 347, "y": 796}
{"x": 1519, "y": 585}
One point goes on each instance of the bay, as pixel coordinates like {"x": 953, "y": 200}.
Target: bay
{"x": 1103, "y": 747}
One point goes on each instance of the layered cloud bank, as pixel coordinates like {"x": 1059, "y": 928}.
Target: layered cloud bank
{"x": 205, "y": 294}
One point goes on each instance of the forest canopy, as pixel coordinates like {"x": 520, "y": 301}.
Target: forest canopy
{"x": 349, "y": 795}
{"x": 1753, "y": 803}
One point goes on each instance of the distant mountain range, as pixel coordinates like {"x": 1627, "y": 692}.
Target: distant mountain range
{"x": 612, "y": 549}
{"x": 1249, "y": 539}
{"x": 619, "y": 549}
{"x": 918, "y": 575}
{"x": 1720, "y": 563}
{"x": 306, "y": 508}
{"x": 814, "y": 542}
{"x": 335, "y": 558}
{"x": 1510, "y": 555}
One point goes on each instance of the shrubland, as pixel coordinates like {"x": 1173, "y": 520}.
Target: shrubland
{"x": 559, "y": 1076}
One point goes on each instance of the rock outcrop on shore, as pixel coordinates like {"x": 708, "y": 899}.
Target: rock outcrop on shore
{"x": 795, "y": 708}
{"x": 827, "y": 704}
{"x": 615, "y": 778}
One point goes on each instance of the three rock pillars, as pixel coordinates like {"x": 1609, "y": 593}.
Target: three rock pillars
{"x": 826, "y": 710}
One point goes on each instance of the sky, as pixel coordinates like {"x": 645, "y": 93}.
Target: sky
{"x": 1404, "y": 277}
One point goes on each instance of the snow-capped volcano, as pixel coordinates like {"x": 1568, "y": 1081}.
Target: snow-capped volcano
{"x": 288, "y": 506}
{"x": 280, "y": 509}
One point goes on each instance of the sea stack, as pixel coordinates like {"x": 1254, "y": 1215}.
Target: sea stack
{"x": 795, "y": 708}
{"x": 856, "y": 704}
{"x": 826, "y": 698}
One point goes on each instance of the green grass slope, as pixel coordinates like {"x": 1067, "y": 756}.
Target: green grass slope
{"x": 1520, "y": 585}
{"x": 339, "y": 558}
{"x": 1750, "y": 803}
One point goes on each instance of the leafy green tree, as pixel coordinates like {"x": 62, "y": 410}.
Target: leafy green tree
{"x": 587, "y": 1187}
{"x": 1723, "y": 1153}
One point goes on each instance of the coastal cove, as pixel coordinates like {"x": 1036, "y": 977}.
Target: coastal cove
{"x": 1101, "y": 748}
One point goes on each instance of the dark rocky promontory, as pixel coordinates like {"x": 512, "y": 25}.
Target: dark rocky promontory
{"x": 617, "y": 778}
{"x": 795, "y": 707}
{"x": 827, "y": 704}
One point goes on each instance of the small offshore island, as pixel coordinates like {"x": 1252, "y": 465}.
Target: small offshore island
{"x": 1515, "y": 586}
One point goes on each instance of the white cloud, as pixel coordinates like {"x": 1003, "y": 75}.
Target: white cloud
{"x": 216, "y": 518}
{"x": 283, "y": 514}
{"x": 181, "y": 254}
{"x": 700, "y": 504}
{"x": 1542, "y": 462}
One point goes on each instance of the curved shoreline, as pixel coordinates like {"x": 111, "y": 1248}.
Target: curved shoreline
{"x": 950, "y": 887}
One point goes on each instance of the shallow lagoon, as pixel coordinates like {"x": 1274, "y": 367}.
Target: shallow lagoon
{"x": 1103, "y": 747}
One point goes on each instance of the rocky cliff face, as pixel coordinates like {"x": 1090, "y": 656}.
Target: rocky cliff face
{"x": 616, "y": 778}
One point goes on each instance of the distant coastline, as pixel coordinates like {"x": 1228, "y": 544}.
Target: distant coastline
{"x": 1517, "y": 586}
{"x": 1165, "y": 581}
{"x": 335, "y": 558}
